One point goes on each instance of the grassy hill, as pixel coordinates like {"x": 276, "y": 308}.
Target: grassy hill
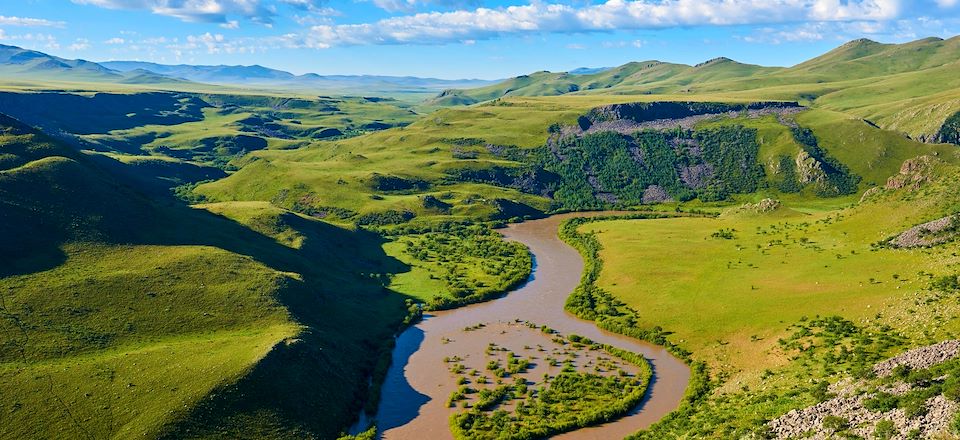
{"x": 630, "y": 74}
{"x": 906, "y": 87}
{"x": 211, "y": 129}
{"x": 134, "y": 316}
{"x": 473, "y": 157}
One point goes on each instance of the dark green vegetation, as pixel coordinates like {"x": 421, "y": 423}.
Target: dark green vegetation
{"x": 559, "y": 403}
{"x": 605, "y": 168}
{"x": 456, "y": 264}
{"x": 831, "y": 179}
{"x": 950, "y": 131}
{"x": 570, "y": 401}
{"x": 125, "y": 315}
{"x": 926, "y": 383}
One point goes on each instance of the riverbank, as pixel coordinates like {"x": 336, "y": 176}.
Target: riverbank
{"x": 417, "y": 386}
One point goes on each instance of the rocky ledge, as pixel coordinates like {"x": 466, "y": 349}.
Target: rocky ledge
{"x": 848, "y": 404}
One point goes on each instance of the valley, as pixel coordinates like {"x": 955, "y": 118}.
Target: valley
{"x": 655, "y": 250}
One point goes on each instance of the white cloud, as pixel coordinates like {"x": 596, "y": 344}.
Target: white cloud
{"x": 537, "y": 17}
{"x": 115, "y": 40}
{"x": 30, "y": 22}
{"x": 623, "y": 43}
{"x": 79, "y": 44}
{"x": 214, "y": 11}
{"x": 218, "y": 44}
{"x": 232, "y": 24}
{"x": 33, "y": 40}
{"x": 947, "y": 3}
{"x": 575, "y": 46}
{"x": 411, "y": 5}
{"x": 892, "y": 30}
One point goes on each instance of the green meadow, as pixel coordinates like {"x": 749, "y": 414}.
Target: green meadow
{"x": 734, "y": 290}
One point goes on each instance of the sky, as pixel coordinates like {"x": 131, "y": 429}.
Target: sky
{"x": 486, "y": 39}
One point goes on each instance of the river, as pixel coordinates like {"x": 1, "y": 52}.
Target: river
{"x": 413, "y": 402}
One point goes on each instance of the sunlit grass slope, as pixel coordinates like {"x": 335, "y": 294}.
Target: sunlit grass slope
{"x": 128, "y": 317}
{"x": 341, "y": 174}
{"x": 729, "y": 298}
{"x": 910, "y": 87}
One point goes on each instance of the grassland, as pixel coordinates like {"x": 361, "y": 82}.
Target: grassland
{"x": 733, "y": 290}
{"x": 209, "y": 128}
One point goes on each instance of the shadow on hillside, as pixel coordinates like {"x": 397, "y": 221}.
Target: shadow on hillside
{"x": 309, "y": 386}
{"x": 317, "y": 382}
{"x": 57, "y": 112}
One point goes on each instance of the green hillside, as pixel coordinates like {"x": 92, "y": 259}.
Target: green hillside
{"x": 211, "y": 129}
{"x": 475, "y": 158}
{"x": 131, "y": 316}
{"x": 607, "y": 81}
{"x": 910, "y": 87}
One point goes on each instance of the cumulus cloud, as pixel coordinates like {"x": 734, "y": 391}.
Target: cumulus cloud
{"x": 213, "y": 11}
{"x": 900, "y": 30}
{"x": 79, "y": 44}
{"x": 26, "y": 21}
{"x": 33, "y": 40}
{"x": 487, "y": 23}
{"x": 212, "y": 44}
{"x": 412, "y": 5}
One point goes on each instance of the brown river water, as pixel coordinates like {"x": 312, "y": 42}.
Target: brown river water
{"x": 414, "y": 397}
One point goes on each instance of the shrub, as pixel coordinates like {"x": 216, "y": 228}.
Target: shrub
{"x": 885, "y": 430}
{"x": 946, "y": 283}
{"x": 836, "y": 423}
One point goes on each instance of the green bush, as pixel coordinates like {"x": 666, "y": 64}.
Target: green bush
{"x": 885, "y": 430}
{"x": 836, "y": 423}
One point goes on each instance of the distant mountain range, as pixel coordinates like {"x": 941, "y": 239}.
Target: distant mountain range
{"x": 19, "y": 63}
{"x": 260, "y": 75}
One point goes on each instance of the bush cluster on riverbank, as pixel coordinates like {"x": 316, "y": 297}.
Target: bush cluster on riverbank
{"x": 458, "y": 264}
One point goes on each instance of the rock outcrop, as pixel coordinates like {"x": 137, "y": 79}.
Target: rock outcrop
{"x": 931, "y": 233}
{"x": 913, "y": 174}
{"x": 849, "y": 403}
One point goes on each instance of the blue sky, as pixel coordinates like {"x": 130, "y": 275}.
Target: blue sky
{"x": 461, "y": 38}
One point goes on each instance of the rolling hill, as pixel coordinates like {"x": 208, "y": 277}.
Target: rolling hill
{"x": 910, "y": 87}
{"x": 129, "y": 314}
